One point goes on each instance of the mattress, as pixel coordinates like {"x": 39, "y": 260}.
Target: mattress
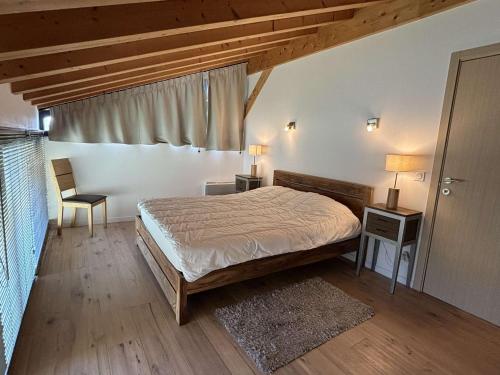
{"x": 203, "y": 234}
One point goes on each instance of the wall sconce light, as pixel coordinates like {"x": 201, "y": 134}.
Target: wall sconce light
{"x": 290, "y": 126}
{"x": 372, "y": 124}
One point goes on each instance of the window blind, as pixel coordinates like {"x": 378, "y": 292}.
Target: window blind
{"x": 23, "y": 220}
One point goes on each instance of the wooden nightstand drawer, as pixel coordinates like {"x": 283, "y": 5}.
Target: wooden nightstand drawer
{"x": 383, "y": 226}
{"x": 245, "y": 182}
{"x": 253, "y": 184}
{"x": 241, "y": 184}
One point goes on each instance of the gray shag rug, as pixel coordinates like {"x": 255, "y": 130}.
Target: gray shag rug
{"x": 278, "y": 326}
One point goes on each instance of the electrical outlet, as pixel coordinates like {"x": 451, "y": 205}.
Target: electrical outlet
{"x": 419, "y": 176}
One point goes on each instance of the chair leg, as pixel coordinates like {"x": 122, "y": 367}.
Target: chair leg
{"x": 104, "y": 214}
{"x": 73, "y": 219}
{"x": 91, "y": 221}
{"x": 60, "y": 213}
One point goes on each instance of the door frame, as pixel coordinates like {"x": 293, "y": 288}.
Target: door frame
{"x": 457, "y": 58}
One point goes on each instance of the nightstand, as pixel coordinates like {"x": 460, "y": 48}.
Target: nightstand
{"x": 245, "y": 182}
{"x": 399, "y": 227}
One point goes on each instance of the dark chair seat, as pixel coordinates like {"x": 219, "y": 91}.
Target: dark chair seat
{"x": 85, "y": 198}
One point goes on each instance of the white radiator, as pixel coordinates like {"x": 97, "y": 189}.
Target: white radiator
{"x": 219, "y": 188}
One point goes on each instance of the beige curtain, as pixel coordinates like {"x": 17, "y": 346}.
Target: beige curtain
{"x": 228, "y": 89}
{"x": 170, "y": 111}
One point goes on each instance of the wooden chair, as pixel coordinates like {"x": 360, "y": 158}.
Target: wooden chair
{"x": 64, "y": 182}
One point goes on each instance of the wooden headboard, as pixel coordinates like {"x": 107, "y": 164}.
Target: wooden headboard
{"x": 354, "y": 196}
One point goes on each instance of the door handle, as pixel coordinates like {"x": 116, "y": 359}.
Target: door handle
{"x": 450, "y": 180}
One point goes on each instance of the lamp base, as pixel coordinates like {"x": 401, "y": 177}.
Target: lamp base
{"x": 392, "y": 199}
{"x": 253, "y": 170}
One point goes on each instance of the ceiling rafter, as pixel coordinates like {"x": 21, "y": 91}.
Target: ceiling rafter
{"x": 16, "y": 6}
{"x": 81, "y": 75}
{"x": 366, "y": 22}
{"x": 51, "y": 31}
{"x": 38, "y": 66}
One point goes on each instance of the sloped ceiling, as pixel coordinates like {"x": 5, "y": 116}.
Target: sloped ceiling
{"x": 55, "y": 51}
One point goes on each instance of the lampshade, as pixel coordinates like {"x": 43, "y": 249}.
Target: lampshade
{"x": 403, "y": 163}
{"x": 255, "y": 150}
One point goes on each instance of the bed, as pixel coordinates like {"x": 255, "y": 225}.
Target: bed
{"x": 195, "y": 244}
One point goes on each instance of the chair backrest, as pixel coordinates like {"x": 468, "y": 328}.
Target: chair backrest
{"x": 63, "y": 176}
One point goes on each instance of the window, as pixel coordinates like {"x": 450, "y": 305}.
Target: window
{"x": 45, "y": 119}
{"x": 23, "y": 220}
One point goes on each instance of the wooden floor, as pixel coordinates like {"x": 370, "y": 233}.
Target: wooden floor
{"x": 96, "y": 309}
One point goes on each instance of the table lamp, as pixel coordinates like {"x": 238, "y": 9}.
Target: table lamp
{"x": 254, "y": 150}
{"x": 399, "y": 163}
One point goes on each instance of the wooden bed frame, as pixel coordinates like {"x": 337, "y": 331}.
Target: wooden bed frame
{"x": 177, "y": 289}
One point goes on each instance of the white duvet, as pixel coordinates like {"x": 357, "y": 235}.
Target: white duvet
{"x": 203, "y": 234}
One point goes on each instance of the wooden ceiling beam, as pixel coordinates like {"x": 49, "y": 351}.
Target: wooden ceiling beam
{"x": 104, "y": 89}
{"x": 81, "y": 75}
{"x": 365, "y": 22}
{"x": 38, "y": 66}
{"x": 146, "y": 72}
{"x": 256, "y": 90}
{"x": 52, "y": 31}
{"x": 17, "y": 6}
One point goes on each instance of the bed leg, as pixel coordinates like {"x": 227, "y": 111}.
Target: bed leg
{"x": 181, "y": 302}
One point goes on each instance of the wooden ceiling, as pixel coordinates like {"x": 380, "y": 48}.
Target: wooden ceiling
{"x": 58, "y": 51}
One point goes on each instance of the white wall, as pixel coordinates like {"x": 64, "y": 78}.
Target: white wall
{"x": 15, "y": 112}
{"x": 398, "y": 75}
{"x": 129, "y": 173}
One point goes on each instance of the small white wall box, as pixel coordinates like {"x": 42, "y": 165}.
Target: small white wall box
{"x": 219, "y": 188}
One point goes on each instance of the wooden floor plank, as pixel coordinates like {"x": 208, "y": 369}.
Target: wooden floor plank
{"x": 158, "y": 347}
{"x": 96, "y": 309}
{"x": 124, "y": 347}
{"x": 315, "y": 362}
